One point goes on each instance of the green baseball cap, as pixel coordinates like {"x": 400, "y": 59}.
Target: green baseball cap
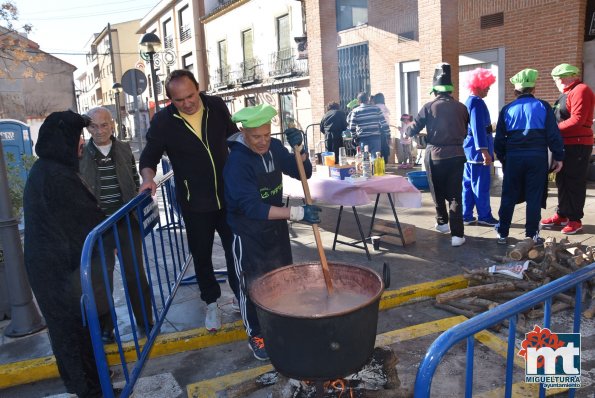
{"x": 254, "y": 116}
{"x": 353, "y": 103}
{"x": 565, "y": 70}
{"x": 525, "y": 78}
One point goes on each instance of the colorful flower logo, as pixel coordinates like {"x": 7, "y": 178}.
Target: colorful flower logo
{"x": 539, "y": 338}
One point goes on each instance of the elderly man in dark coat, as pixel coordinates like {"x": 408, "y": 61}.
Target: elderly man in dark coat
{"x": 59, "y": 213}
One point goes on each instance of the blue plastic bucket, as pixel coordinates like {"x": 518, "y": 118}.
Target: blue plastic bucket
{"x": 419, "y": 179}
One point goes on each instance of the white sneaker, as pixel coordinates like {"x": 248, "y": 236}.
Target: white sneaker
{"x": 457, "y": 241}
{"x": 213, "y": 318}
{"x": 444, "y": 228}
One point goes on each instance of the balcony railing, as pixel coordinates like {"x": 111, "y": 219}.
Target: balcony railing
{"x": 284, "y": 63}
{"x": 185, "y": 33}
{"x": 222, "y": 78}
{"x": 168, "y": 41}
{"x": 250, "y": 71}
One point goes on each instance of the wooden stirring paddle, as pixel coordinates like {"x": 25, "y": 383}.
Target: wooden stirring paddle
{"x": 323, "y": 262}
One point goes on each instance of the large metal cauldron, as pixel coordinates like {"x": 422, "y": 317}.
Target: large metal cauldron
{"x": 326, "y": 346}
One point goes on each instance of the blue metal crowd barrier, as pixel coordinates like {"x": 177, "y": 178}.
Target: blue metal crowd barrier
{"x": 166, "y": 259}
{"x": 507, "y": 311}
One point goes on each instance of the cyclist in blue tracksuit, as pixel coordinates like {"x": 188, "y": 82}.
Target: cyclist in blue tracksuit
{"x": 526, "y": 129}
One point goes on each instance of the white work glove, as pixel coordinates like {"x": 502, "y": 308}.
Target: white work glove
{"x": 296, "y": 213}
{"x": 307, "y": 213}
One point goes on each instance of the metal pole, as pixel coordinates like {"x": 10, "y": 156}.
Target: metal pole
{"x": 25, "y": 318}
{"x": 118, "y": 115}
{"x": 154, "y": 81}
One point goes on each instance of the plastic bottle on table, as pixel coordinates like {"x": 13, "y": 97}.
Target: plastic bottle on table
{"x": 379, "y": 165}
{"x": 366, "y": 164}
{"x": 359, "y": 157}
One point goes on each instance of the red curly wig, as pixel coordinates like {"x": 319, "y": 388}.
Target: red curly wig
{"x": 479, "y": 79}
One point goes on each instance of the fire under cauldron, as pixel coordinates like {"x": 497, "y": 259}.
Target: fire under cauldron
{"x": 309, "y": 336}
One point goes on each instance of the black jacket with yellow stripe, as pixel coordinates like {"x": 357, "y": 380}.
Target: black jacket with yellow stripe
{"x": 197, "y": 164}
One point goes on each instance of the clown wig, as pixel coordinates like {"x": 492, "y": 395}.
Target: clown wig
{"x": 479, "y": 79}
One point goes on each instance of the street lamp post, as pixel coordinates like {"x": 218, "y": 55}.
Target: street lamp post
{"x": 150, "y": 44}
{"x": 117, "y": 87}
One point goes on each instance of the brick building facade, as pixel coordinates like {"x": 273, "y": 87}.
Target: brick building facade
{"x": 332, "y": 49}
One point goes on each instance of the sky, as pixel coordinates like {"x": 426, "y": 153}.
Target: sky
{"x": 63, "y": 28}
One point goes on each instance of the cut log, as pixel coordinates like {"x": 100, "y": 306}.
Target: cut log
{"x": 575, "y": 251}
{"x": 455, "y": 310}
{"x": 535, "y": 273}
{"x": 565, "y": 298}
{"x": 475, "y": 291}
{"x": 466, "y": 306}
{"x": 502, "y": 296}
{"x": 482, "y": 302}
{"x": 589, "y": 254}
{"x": 535, "y": 253}
{"x": 558, "y": 270}
{"x": 556, "y": 307}
{"x": 520, "y": 250}
{"x": 502, "y": 259}
{"x": 486, "y": 280}
{"x": 575, "y": 262}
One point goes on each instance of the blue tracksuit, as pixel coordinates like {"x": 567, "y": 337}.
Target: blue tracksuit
{"x": 526, "y": 129}
{"x": 476, "y": 176}
{"x": 254, "y": 183}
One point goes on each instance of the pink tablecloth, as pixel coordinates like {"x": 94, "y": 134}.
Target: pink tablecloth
{"x": 340, "y": 192}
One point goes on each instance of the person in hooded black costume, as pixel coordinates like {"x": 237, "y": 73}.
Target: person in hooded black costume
{"x": 59, "y": 213}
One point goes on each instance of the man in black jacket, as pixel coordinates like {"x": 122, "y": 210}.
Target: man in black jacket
{"x": 332, "y": 125}
{"x": 445, "y": 120}
{"x": 193, "y": 130}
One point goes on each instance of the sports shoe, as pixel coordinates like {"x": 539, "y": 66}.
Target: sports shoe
{"x": 490, "y": 221}
{"x": 555, "y": 220}
{"x": 443, "y": 228}
{"x": 469, "y": 221}
{"x": 502, "y": 240}
{"x": 572, "y": 228}
{"x": 256, "y": 344}
{"x": 457, "y": 241}
{"x": 537, "y": 239}
{"x": 213, "y": 318}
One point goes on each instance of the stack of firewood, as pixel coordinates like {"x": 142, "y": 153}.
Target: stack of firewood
{"x": 546, "y": 262}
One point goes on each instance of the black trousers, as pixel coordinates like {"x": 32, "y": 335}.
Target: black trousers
{"x": 446, "y": 184}
{"x": 138, "y": 290}
{"x": 256, "y": 253}
{"x": 522, "y": 176}
{"x": 572, "y": 181}
{"x": 333, "y": 142}
{"x": 200, "y": 232}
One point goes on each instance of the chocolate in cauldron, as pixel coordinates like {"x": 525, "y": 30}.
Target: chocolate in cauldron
{"x": 309, "y": 335}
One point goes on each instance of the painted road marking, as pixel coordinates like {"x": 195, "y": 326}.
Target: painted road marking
{"x": 209, "y": 388}
{"x": 23, "y": 372}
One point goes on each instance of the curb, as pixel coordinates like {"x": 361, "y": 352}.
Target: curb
{"x": 24, "y": 372}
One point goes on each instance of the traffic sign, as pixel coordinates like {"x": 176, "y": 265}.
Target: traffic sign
{"x": 134, "y": 82}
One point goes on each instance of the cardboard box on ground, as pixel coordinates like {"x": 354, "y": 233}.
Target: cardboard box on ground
{"x": 389, "y": 233}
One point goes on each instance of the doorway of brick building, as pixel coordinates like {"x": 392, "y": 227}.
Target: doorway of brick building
{"x": 354, "y": 72}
